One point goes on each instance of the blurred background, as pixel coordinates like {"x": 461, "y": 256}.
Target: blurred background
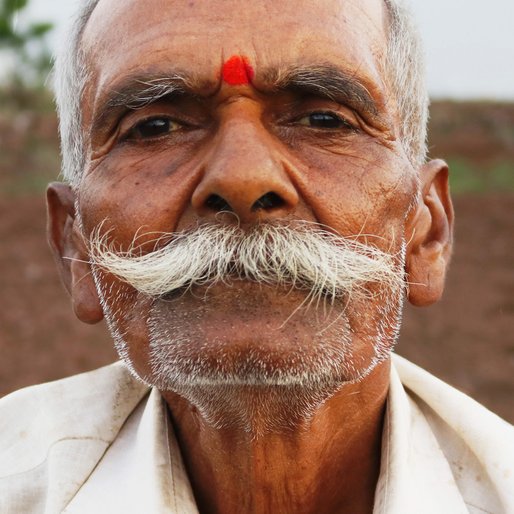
{"x": 467, "y": 339}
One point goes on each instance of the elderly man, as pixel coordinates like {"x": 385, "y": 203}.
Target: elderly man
{"x": 248, "y": 202}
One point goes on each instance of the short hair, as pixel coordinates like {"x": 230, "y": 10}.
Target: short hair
{"x": 404, "y": 71}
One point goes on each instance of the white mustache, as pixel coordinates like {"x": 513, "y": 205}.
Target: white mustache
{"x": 304, "y": 257}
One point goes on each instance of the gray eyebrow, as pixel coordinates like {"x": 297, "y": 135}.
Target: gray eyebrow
{"x": 138, "y": 91}
{"x": 142, "y": 92}
{"x": 325, "y": 80}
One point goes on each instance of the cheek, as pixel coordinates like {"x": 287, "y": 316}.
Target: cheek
{"x": 365, "y": 190}
{"x": 136, "y": 195}
{"x": 126, "y": 313}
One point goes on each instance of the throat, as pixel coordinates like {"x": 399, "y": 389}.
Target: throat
{"x": 265, "y": 452}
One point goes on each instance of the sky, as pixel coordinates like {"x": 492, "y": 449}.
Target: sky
{"x": 469, "y": 44}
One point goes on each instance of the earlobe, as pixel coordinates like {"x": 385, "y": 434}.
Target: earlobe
{"x": 85, "y": 299}
{"x": 70, "y": 253}
{"x": 430, "y": 233}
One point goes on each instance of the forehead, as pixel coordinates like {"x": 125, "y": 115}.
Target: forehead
{"x": 124, "y": 36}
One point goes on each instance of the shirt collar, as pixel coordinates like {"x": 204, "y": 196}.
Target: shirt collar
{"x": 143, "y": 471}
{"x": 414, "y": 473}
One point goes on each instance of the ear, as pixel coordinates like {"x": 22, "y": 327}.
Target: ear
{"x": 70, "y": 252}
{"x": 430, "y": 235}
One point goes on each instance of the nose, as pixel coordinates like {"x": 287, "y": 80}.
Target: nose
{"x": 244, "y": 176}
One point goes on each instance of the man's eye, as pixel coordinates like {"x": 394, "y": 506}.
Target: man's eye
{"x": 153, "y": 128}
{"x": 325, "y": 120}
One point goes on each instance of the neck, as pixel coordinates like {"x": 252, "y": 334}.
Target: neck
{"x": 327, "y": 463}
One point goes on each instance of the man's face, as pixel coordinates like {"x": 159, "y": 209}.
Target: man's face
{"x": 311, "y": 135}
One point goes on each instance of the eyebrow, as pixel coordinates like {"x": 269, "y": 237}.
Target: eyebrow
{"x": 322, "y": 80}
{"x": 138, "y": 91}
{"x": 326, "y": 81}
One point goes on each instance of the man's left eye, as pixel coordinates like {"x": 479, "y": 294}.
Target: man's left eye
{"x": 325, "y": 120}
{"x": 153, "y": 128}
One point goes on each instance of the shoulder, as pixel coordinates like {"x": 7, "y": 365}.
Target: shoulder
{"x": 448, "y": 402}
{"x": 478, "y": 444}
{"x": 55, "y": 433}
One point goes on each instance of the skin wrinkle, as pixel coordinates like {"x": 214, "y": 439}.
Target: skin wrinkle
{"x": 402, "y": 47}
{"x": 310, "y": 363}
{"x": 215, "y": 412}
{"x": 323, "y": 80}
{"x": 139, "y": 90}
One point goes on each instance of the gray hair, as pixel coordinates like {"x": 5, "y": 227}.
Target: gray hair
{"x": 404, "y": 68}
{"x": 70, "y": 78}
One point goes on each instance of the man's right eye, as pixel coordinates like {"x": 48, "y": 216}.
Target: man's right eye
{"x": 153, "y": 128}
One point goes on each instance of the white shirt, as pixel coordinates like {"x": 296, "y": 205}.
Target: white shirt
{"x": 102, "y": 443}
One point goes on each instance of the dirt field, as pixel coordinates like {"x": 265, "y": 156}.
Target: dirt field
{"x": 467, "y": 339}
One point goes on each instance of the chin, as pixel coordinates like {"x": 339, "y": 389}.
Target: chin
{"x": 247, "y": 353}
{"x": 254, "y": 336}
{"x": 262, "y": 381}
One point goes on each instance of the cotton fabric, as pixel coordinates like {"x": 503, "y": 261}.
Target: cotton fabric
{"x": 102, "y": 442}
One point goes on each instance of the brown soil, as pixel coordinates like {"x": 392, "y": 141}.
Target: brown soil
{"x": 467, "y": 339}
{"x": 480, "y": 132}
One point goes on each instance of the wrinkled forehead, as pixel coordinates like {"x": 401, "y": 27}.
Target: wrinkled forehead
{"x": 124, "y": 36}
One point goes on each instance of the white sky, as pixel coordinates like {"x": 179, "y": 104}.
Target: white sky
{"x": 469, "y": 44}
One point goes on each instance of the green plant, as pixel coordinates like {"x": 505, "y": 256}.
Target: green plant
{"x": 27, "y": 44}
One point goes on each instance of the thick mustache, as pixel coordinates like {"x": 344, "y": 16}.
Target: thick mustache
{"x": 304, "y": 256}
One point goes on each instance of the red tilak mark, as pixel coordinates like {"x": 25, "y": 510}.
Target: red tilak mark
{"x": 237, "y": 71}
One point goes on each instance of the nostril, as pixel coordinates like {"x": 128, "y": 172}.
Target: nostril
{"x": 268, "y": 202}
{"x": 217, "y": 203}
